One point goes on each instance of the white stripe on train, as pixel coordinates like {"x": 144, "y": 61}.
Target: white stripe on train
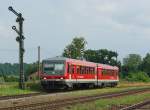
{"x": 81, "y": 80}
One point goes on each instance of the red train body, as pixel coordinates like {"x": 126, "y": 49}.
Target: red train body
{"x": 60, "y": 72}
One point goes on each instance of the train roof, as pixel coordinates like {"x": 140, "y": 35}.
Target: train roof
{"x": 81, "y": 62}
{"x": 104, "y": 66}
{"x": 56, "y": 59}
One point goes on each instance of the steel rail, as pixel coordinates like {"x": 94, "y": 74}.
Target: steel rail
{"x": 19, "y": 96}
{"x": 137, "y": 106}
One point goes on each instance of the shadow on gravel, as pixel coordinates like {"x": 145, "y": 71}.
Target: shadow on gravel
{"x": 35, "y": 86}
{"x": 69, "y": 90}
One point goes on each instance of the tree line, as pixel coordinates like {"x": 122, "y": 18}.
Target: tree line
{"x": 10, "y": 72}
{"x": 133, "y": 67}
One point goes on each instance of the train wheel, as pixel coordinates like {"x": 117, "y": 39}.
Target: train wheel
{"x": 102, "y": 85}
{"x": 91, "y": 86}
{"x": 113, "y": 84}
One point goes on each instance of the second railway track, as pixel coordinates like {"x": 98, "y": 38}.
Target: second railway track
{"x": 144, "y": 105}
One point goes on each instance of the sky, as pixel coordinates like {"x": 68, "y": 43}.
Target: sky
{"x": 118, "y": 25}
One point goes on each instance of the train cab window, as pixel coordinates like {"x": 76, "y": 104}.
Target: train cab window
{"x": 53, "y": 68}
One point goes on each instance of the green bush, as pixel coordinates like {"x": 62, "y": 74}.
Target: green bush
{"x": 138, "y": 76}
{"x": 1, "y": 80}
{"x": 34, "y": 85}
{"x": 11, "y": 78}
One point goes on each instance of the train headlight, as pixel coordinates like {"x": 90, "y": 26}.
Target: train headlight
{"x": 61, "y": 78}
{"x": 44, "y": 78}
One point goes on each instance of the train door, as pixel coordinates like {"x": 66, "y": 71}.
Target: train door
{"x": 98, "y": 75}
{"x": 72, "y": 73}
{"x": 70, "y": 76}
{"x": 75, "y": 74}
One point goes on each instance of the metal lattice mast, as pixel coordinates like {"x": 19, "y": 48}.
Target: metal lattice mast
{"x": 20, "y": 40}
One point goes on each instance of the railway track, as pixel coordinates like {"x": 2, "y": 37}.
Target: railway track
{"x": 20, "y": 96}
{"x": 144, "y": 105}
{"x": 39, "y": 93}
{"x": 55, "y": 105}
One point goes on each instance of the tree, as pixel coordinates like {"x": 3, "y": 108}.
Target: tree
{"x": 145, "y": 66}
{"x": 76, "y": 48}
{"x": 91, "y": 55}
{"x": 31, "y": 69}
{"x": 132, "y": 62}
{"x": 139, "y": 76}
{"x": 9, "y": 69}
{"x": 102, "y": 56}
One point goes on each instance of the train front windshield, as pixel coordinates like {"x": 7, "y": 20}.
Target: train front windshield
{"x": 53, "y": 68}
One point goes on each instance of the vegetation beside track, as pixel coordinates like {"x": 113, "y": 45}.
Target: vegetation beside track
{"x": 31, "y": 87}
{"x": 105, "y": 104}
{"x": 123, "y": 83}
{"x": 70, "y": 95}
{"x": 91, "y": 92}
{"x": 13, "y": 89}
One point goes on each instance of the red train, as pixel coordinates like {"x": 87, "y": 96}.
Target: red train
{"x": 61, "y": 73}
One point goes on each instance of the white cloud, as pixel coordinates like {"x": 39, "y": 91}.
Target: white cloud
{"x": 122, "y": 25}
{"x": 5, "y": 31}
{"x": 106, "y": 7}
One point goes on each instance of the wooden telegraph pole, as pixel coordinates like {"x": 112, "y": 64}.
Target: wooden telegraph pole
{"x": 39, "y": 62}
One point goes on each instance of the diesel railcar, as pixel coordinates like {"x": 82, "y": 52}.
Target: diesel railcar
{"x": 63, "y": 73}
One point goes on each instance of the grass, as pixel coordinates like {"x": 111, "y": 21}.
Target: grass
{"x": 106, "y": 103}
{"x": 88, "y": 92}
{"x": 120, "y": 87}
{"x": 131, "y": 84}
{"x": 13, "y": 89}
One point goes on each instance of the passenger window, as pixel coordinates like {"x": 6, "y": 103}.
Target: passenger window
{"x": 78, "y": 69}
{"x": 104, "y": 72}
{"x": 92, "y": 70}
{"x": 72, "y": 69}
{"x": 84, "y": 70}
{"x": 68, "y": 68}
{"x": 87, "y": 70}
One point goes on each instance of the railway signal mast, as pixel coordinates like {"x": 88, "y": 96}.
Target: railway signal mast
{"x": 20, "y": 40}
